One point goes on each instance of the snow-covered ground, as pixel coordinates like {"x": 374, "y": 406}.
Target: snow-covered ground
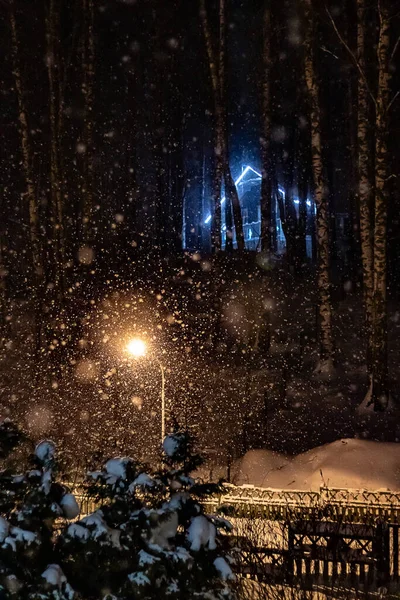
{"x": 347, "y": 463}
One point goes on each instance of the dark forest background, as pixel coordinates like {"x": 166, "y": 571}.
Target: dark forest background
{"x": 108, "y": 168}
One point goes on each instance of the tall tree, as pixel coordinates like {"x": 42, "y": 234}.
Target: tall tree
{"x": 266, "y": 158}
{"x": 3, "y": 289}
{"x": 26, "y": 147}
{"x": 222, "y": 168}
{"x": 365, "y": 185}
{"x": 221, "y": 84}
{"x": 30, "y": 188}
{"x": 56, "y": 113}
{"x": 303, "y": 169}
{"x": 176, "y": 163}
{"x": 379, "y": 369}
{"x": 88, "y": 93}
{"x": 321, "y": 197}
{"x": 373, "y": 195}
{"x": 216, "y": 240}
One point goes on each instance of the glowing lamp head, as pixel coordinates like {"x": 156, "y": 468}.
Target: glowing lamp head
{"x": 136, "y": 348}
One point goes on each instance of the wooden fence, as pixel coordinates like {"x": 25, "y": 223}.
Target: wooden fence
{"x": 333, "y": 535}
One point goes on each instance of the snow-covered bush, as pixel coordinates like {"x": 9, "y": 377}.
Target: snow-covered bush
{"x": 52, "y": 585}
{"x": 27, "y": 530}
{"x": 150, "y": 538}
{"x": 11, "y": 486}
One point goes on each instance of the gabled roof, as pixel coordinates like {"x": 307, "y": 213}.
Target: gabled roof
{"x": 243, "y": 174}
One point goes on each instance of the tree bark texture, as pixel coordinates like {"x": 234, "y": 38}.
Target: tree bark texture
{"x": 3, "y": 294}
{"x": 266, "y": 160}
{"x": 27, "y": 154}
{"x": 216, "y": 241}
{"x": 379, "y": 371}
{"x": 221, "y": 85}
{"x": 30, "y": 191}
{"x": 88, "y": 93}
{"x": 222, "y": 168}
{"x": 53, "y": 71}
{"x": 321, "y": 198}
{"x": 365, "y": 185}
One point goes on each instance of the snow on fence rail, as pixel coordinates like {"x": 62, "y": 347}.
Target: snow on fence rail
{"x": 312, "y": 534}
{"x": 277, "y": 504}
{"x": 323, "y": 534}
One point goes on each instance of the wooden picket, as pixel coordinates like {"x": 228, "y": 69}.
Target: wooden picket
{"x": 365, "y": 524}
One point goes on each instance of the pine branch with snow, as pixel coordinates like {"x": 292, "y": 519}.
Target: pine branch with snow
{"x": 149, "y": 539}
{"x": 27, "y": 531}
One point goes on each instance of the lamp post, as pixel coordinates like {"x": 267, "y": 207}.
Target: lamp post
{"x": 137, "y": 348}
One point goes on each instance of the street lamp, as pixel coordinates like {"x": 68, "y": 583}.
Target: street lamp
{"x": 138, "y": 348}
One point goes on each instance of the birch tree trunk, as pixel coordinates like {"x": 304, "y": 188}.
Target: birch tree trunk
{"x": 379, "y": 367}
{"x": 321, "y": 199}
{"x": 365, "y": 186}
{"x": 266, "y": 161}
{"x": 53, "y": 72}
{"x": 353, "y": 256}
{"x": 88, "y": 87}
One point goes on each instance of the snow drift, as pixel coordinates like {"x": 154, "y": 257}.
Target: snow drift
{"x": 348, "y": 463}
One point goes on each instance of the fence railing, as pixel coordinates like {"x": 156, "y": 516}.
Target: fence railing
{"x": 273, "y": 503}
{"x": 328, "y": 535}
{"x": 331, "y": 534}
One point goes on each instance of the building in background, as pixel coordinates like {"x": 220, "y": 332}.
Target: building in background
{"x": 248, "y": 184}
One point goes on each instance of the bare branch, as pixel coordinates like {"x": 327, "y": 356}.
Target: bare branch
{"x": 395, "y": 48}
{"x": 352, "y": 55}
{"x": 392, "y": 100}
{"x": 324, "y": 49}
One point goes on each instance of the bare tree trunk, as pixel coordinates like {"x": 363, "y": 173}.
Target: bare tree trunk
{"x": 379, "y": 367}
{"x": 302, "y": 159}
{"x": 216, "y": 238}
{"x": 302, "y": 221}
{"x": 3, "y": 294}
{"x": 216, "y": 242}
{"x": 53, "y": 71}
{"x": 88, "y": 89}
{"x": 30, "y": 192}
{"x": 221, "y": 84}
{"x": 221, "y": 150}
{"x": 266, "y": 161}
{"x": 365, "y": 186}
{"x": 353, "y": 255}
{"x": 232, "y": 196}
{"x": 282, "y": 213}
{"x": 290, "y": 231}
{"x": 27, "y": 154}
{"x": 228, "y": 227}
{"x": 321, "y": 200}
